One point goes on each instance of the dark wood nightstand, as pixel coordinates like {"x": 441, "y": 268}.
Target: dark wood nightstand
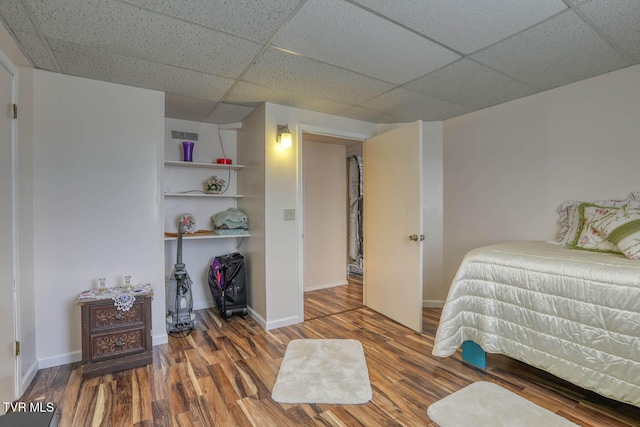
{"x": 113, "y": 339}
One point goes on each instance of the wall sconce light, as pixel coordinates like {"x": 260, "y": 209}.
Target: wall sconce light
{"x": 284, "y": 136}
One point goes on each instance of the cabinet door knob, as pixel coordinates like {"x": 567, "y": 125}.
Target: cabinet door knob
{"x": 118, "y": 316}
{"x": 119, "y": 343}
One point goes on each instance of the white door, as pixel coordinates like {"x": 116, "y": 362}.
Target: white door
{"x": 393, "y": 224}
{"x": 7, "y": 331}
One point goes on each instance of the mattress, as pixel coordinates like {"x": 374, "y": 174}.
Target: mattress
{"x": 573, "y": 313}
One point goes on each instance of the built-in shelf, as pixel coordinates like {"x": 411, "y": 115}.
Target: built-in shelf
{"x": 202, "y": 165}
{"x": 206, "y": 236}
{"x": 221, "y": 196}
{"x": 197, "y": 207}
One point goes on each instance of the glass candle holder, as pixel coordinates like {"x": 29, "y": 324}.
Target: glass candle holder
{"x": 102, "y": 287}
{"x": 127, "y": 284}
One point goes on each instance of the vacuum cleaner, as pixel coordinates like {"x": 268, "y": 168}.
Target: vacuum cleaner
{"x": 180, "y": 316}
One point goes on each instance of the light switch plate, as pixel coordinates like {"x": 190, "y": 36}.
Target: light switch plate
{"x": 289, "y": 214}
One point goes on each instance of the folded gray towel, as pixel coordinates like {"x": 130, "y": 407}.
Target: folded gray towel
{"x": 230, "y": 219}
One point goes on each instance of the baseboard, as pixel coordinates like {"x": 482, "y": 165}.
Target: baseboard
{"x": 28, "y": 377}
{"x": 325, "y": 286}
{"x": 62, "y": 359}
{"x": 432, "y": 304}
{"x": 160, "y": 339}
{"x": 202, "y": 305}
{"x": 283, "y": 322}
{"x": 259, "y": 319}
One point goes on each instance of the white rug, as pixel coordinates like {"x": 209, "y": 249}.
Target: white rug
{"x": 323, "y": 371}
{"x": 484, "y": 404}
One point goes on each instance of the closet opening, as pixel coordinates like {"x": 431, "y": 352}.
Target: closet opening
{"x": 332, "y": 195}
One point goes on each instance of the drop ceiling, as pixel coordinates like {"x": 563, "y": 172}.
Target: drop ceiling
{"x": 374, "y": 60}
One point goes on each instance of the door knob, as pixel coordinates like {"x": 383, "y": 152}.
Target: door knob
{"x": 415, "y": 237}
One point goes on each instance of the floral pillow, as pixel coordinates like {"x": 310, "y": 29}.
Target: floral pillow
{"x": 622, "y": 227}
{"x": 571, "y": 222}
{"x": 587, "y": 237}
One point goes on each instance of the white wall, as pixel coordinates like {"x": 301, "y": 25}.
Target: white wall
{"x": 197, "y": 254}
{"x": 98, "y": 149}
{"x": 507, "y": 168}
{"x": 325, "y": 214}
{"x": 251, "y": 183}
{"x": 434, "y": 289}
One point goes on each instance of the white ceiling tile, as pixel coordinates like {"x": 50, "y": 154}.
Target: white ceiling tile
{"x": 16, "y": 16}
{"x": 35, "y": 48}
{"x": 195, "y": 50}
{"x": 415, "y": 106}
{"x": 228, "y": 113}
{"x": 300, "y": 75}
{"x": 557, "y": 52}
{"x": 369, "y": 115}
{"x": 181, "y": 107}
{"x": 467, "y": 25}
{"x": 100, "y": 65}
{"x": 619, "y": 20}
{"x": 347, "y": 36}
{"x": 129, "y": 30}
{"x": 241, "y": 17}
{"x": 468, "y": 83}
{"x": 253, "y": 94}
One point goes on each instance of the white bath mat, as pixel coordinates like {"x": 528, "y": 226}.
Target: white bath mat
{"x": 484, "y": 404}
{"x": 329, "y": 371}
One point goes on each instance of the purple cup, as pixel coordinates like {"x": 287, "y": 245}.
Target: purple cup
{"x": 187, "y": 151}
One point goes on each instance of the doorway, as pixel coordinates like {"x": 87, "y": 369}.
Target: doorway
{"x": 328, "y": 266}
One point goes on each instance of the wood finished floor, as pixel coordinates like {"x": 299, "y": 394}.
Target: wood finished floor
{"x": 222, "y": 374}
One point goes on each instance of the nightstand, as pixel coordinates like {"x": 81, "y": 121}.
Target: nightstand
{"x": 115, "y": 339}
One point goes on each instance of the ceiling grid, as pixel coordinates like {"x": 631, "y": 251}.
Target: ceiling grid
{"x": 374, "y": 60}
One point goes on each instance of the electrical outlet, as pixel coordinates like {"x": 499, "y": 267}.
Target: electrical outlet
{"x": 289, "y": 214}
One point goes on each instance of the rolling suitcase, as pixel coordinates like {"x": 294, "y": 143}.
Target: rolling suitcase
{"x": 227, "y": 285}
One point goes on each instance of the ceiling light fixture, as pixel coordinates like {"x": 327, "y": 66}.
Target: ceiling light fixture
{"x": 284, "y": 136}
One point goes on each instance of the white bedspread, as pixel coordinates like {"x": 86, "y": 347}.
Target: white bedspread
{"x": 573, "y": 313}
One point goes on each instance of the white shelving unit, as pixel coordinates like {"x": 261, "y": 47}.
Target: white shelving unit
{"x": 206, "y": 236}
{"x": 213, "y": 196}
{"x": 185, "y": 183}
{"x": 183, "y": 192}
{"x": 201, "y": 165}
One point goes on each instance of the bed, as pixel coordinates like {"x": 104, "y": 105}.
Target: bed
{"x": 573, "y": 313}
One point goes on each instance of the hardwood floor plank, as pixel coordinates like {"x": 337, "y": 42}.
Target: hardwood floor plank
{"x": 103, "y": 412}
{"x": 70, "y": 399}
{"x": 161, "y": 413}
{"x": 222, "y": 374}
{"x": 264, "y": 412}
{"x": 225, "y": 387}
{"x": 123, "y": 396}
{"x": 141, "y": 395}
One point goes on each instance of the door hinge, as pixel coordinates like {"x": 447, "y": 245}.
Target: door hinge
{"x": 15, "y": 111}
{"x": 17, "y": 348}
